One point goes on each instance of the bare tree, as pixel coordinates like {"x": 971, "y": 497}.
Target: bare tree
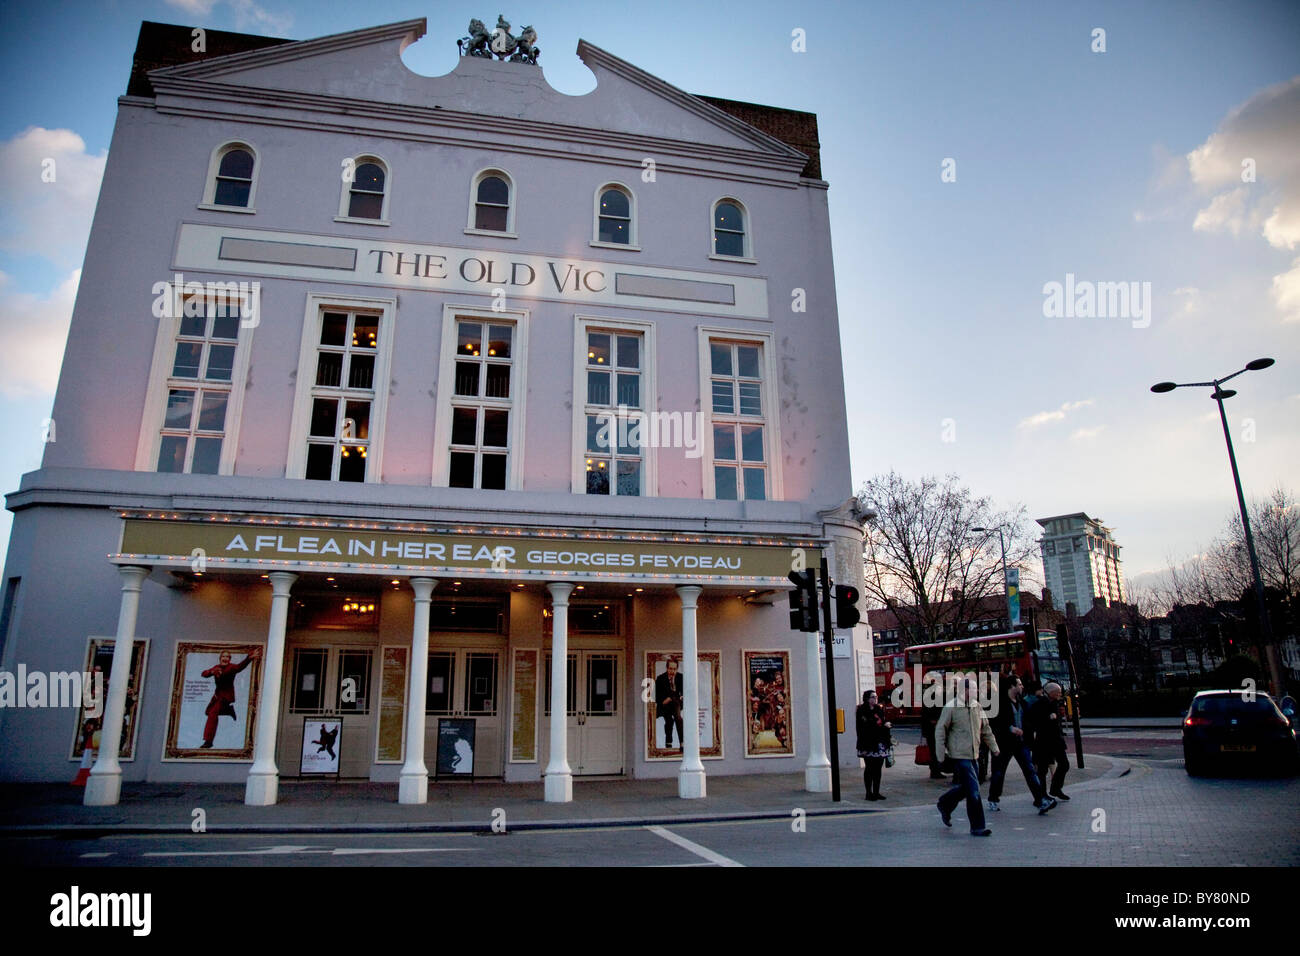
{"x": 925, "y": 561}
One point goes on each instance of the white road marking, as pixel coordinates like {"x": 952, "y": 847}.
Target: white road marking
{"x": 94, "y": 856}
{"x": 695, "y": 848}
{"x": 285, "y": 850}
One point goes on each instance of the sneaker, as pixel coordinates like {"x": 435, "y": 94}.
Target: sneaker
{"x": 985, "y": 832}
{"x": 945, "y": 817}
{"x": 1045, "y": 805}
{"x": 993, "y": 805}
{"x": 1059, "y": 795}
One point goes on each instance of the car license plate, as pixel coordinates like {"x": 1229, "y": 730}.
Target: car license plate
{"x": 1237, "y": 748}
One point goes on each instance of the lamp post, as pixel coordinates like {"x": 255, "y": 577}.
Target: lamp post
{"x": 1006, "y": 585}
{"x": 1219, "y": 394}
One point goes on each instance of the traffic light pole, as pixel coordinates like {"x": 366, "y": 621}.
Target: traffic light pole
{"x": 832, "y": 728}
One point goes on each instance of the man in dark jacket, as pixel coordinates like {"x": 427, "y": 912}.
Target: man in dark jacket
{"x": 1009, "y": 729}
{"x": 1047, "y": 738}
{"x": 930, "y": 717}
{"x": 668, "y": 703}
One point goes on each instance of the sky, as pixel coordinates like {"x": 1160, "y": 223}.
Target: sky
{"x": 977, "y": 154}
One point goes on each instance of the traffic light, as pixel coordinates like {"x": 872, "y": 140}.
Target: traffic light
{"x": 846, "y": 606}
{"x": 803, "y": 601}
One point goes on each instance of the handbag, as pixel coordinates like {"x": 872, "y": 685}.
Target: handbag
{"x": 923, "y": 755}
{"x": 889, "y": 757}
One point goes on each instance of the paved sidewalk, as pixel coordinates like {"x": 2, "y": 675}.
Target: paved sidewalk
{"x": 316, "y": 806}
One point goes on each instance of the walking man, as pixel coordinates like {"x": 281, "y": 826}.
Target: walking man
{"x": 962, "y": 725}
{"x": 1048, "y": 738}
{"x": 1009, "y": 729}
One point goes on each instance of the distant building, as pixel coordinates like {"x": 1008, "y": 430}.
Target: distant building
{"x": 1080, "y": 560}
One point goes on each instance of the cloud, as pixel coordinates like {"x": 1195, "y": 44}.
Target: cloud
{"x": 1056, "y": 415}
{"x": 34, "y": 329}
{"x": 247, "y": 13}
{"x": 1286, "y": 293}
{"x": 1189, "y": 298}
{"x": 1083, "y": 434}
{"x": 48, "y": 188}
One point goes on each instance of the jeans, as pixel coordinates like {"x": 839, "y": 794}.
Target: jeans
{"x": 965, "y": 784}
{"x": 1014, "y": 751}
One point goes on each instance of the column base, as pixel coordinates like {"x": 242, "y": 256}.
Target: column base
{"x": 261, "y": 789}
{"x": 413, "y": 788}
{"x": 559, "y": 788}
{"x": 691, "y": 784}
{"x": 103, "y": 790}
{"x": 817, "y": 779}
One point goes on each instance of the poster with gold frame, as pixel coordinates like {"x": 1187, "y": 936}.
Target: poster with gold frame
{"x": 213, "y": 706}
{"x": 769, "y": 725}
{"x": 99, "y": 656}
{"x": 709, "y": 665}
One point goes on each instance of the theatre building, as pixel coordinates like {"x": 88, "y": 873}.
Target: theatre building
{"x": 385, "y": 391}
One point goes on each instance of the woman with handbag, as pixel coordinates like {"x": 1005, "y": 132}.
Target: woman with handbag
{"x": 873, "y": 742}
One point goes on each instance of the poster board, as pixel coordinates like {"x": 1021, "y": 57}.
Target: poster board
{"x": 322, "y": 743}
{"x": 709, "y": 669}
{"x": 523, "y": 715}
{"x": 455, "y": 757}
{"x": 99, "y": 655}
{"x": 390, "y": 728}
{"x": 769, "y": 726}
{"x": 213, "y": 707}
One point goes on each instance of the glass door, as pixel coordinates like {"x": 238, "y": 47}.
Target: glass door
{"x": 329, "y": 681}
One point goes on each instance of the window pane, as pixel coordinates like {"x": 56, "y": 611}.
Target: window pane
{"x": 629, "y": 477}
{"x": 365, "y": 332}
{"x": 629, "y": 351}
{"x": 751, "y": 398}
{"x": 597, "y": 476}
{"x": 747, "y": 361}
{"x": 498, "y": 381}
{"x": 499, "y": 337}
{"x": 597, "y": 387}
{"x": 721, "y": 358}
{"x": 492, "y": 218}
{"x": 629, "y": 389}
{"x": 614, "y": 203}
{"x": 171, "y": 454}
{"x": 599, "y": 437}
{"x": 188, "y": 357}
{"x": 462, "y": 470}
{"x": 227, "y": 326}
{"x": 494, "y": 471}
{"x": 469, "y": 336}
{"x": 496, "y": 427}
{"x": 467, "y": 378}
{"x": 724, "y": 442}
{"x": 180, "y": 408}
{"x": 232, "y": 192}
{"x": 320, "y": 462}
{"x": 602, "y": 684}
{"x": 728, "y": 243}
{"x": 329, "y": 369}
{"x": 237, "y": 163}
{"x": 493, "y": 189}
{"x": 723, "y": 400}
{"x": 464, "y": 427}
{"x": 324, "y": 417}
{"x": 630, "y": 437}
{"x": 598, "y": 348}
{"x": 614, "y": 230}
{"x": 755, "y": 486}
{"x": 438, "y": 699}
{"x": 724, "y": 483}
{"x": 221, "y": 361}
{"x": 212, "y": 416}
{"x": 354, "y": 665}
{"x": 207, "y": 456}
{"x": 481, "y": 684}
{"x": 356, "y": 421}
{"x": 727, "y": 216}
{"x": 308, "y": 679}
{"x": 361, "y": 371}
{"x": 352, "y": 463}
{"x": 365, "y": 205}
{"x": 193, "y": 324}
{"x": 368, "y": 176}
{"x": 333, "y": 329}
{"x": 751, "y": 443}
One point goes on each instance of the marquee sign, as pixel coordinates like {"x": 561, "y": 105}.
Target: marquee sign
{"x": 231, "y": 545}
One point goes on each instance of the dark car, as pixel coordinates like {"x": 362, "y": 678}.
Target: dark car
{"x": 1237, "y": 728}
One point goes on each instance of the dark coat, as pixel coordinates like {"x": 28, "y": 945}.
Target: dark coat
{"x": 872, "y": 731}
{"x": 668, "y": 695}
{"x": 1043, "y": 726}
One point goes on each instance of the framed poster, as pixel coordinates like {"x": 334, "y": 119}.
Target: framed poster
{"x": 99, "y": 657}
{"x": 455, "y": 747}
{"x": 214, "y": 701}
{"x": 523, "y": 725}
{"x": 769, "y": 727}
{"x": 663, "y": 715}
{"x": 321, "y": 745}
{"x": 390, "y": 730}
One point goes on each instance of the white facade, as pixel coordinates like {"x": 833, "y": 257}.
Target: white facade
{"x": 1080, "y": 561}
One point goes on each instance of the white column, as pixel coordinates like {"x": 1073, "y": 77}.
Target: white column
{"x": 559, "y": 777}
{"x": 104, "y": 788}
{"x": 817, "y": 772}
{"x": 414, "y": 785}
{"x": 263, "y": 778}
{"x": 690, "y": 778}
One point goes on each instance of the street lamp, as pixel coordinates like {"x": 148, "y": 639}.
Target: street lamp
{"x": 1219, "y": 394}
{"x": 1006, "y": 584}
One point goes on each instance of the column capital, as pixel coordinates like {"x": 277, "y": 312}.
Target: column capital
{"x": 423, "y": 588}
{"x": 689, "y": 593}
{"x": 281, "y": 582}
{"x": 559, "y": 592}
{"x": 132, "y": 576}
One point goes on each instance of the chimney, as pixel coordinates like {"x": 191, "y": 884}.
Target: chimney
{"x": 1047, "y": 598}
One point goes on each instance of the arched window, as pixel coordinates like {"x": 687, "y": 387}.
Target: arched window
{"x": 730, "y": 230}
{"x": 615, "y": 217}
{"x": 232, "y": 177}
{"x": 366, "y": 195}
{"x": 491, "y": 203}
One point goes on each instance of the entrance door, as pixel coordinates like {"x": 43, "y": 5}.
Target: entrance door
{"x": 466, "y": 682}
{"x": 595, "y": 712}
{"x": 329, "y": 681}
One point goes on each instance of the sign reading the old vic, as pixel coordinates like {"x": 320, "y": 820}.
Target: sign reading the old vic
{"x": 227, "y": 544}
